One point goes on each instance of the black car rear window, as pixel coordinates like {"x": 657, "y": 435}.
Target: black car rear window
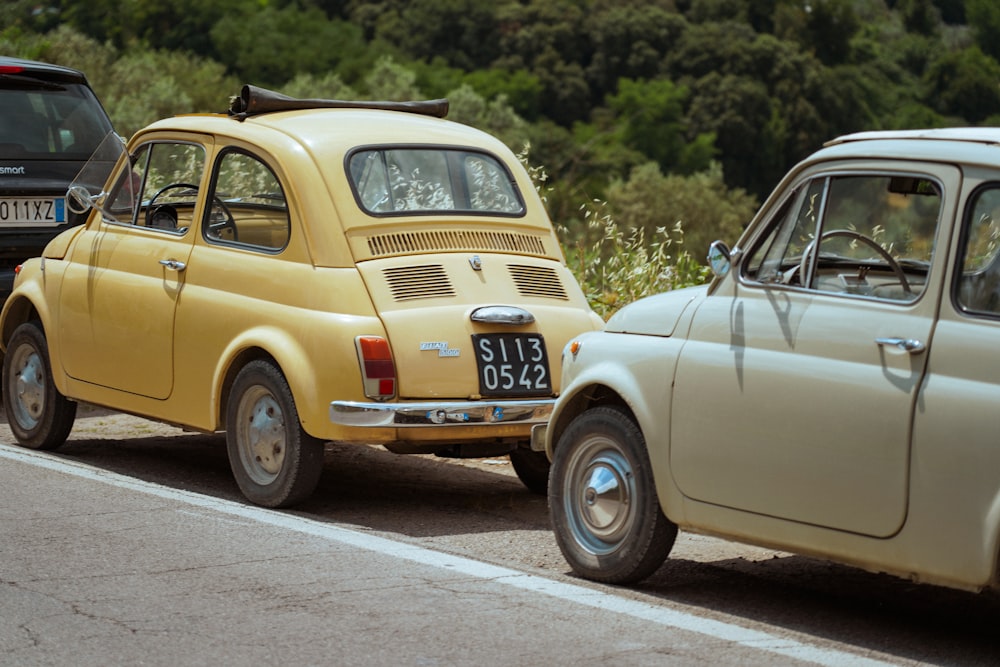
{"x": 42, "y": 120}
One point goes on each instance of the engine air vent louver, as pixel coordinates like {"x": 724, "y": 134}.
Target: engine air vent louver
{"x": 418, "y": 282}
{"x": 432, "y": 241}
{"x": 537, "y": 281}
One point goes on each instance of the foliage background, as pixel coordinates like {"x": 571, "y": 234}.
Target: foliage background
{"x": 661, "y": 124}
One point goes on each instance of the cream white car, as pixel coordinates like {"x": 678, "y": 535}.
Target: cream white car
{"x": 296, "y": 272}
{"x": 833, "y": 392}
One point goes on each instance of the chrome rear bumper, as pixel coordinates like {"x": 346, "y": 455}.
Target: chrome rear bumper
{"x": 440, "y": 413}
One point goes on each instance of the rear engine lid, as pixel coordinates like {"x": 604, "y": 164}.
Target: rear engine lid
{"x": 471, "y": 325}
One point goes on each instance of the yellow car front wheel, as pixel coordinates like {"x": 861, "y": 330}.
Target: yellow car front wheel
{"x": 38, "y": 415}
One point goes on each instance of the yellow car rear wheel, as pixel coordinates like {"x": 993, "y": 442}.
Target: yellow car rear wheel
{"x": 275, "y": 462}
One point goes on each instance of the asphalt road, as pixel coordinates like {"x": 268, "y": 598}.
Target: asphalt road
{"x": 132, "y": 545}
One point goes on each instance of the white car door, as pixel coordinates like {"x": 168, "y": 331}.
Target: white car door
{"x": 801, "y": 408}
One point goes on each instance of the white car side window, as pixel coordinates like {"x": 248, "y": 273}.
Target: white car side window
{"x": 979, "y": 280}
{"x": 869, "y": 235}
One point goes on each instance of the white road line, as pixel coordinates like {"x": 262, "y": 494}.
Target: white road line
{"x": 754, "y": 639}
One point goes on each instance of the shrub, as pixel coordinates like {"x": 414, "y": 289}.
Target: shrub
{"x": 623, "y": 265}
{"x": 620, "y": 266}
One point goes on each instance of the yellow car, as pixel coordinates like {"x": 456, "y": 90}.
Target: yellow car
{"x": 296, "y": 272}
{"x": 833, "y": 392}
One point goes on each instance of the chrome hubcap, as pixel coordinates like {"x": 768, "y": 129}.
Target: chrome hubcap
{"x": 29, "y": 387}
{"x": 599, "y": 493}
{"x": 605, "y": 499}
{"x": 261, "y": 435}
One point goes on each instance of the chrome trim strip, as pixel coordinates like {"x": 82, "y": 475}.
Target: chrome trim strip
{"x": 441, "y": 413}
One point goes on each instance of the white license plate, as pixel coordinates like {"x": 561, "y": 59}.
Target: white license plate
{"x": 512, "y": 365}
{"x": 32, "y": 210}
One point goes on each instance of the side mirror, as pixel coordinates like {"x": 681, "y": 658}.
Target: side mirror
{"x": 719, "y": 259}
{"x": 78, "y": 199}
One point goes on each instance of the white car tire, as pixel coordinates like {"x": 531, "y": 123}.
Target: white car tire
{"x": 605, "y": 511}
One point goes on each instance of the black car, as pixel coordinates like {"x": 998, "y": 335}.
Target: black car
{"x": 51, "y": 122}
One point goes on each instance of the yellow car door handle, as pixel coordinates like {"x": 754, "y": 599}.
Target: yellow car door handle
{"x": 173, "y": 264}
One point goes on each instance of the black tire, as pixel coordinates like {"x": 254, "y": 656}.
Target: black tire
{"x": 275, "y": 462}
{"x": 532, "y": 469}
{"x": 38, "y": 415}
{"x": 605, "y": 511}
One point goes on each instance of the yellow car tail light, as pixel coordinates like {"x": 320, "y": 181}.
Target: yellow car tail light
{"x": 377, "y": 368}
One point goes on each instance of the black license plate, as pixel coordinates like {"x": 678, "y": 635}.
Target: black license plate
{"x": 512, "y": 364}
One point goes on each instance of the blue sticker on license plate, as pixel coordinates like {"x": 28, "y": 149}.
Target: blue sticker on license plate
{"x": 512, "y": 364}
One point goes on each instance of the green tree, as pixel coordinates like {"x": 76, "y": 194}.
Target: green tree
{"x": 737, "y": 110}
{"x": 702, "y": 203}
{"x": 104, "y": 20}
{"x": 920, "y": 16}
{"x": 965, "y": 84}
{"x": 269, "y": 46}
{"x": 144, "y": 86}
{"x": 566, "y": 95}
{"x": 68, "y": 47}
{"x": 494, "y": 116}
{"x": 20, "y": 16}
{"x": 722, "y": 47}
{"x": 461, "y": 32}
{"x": 324, "y": 87}
{"x": 547, "y": 39}
{"x": 760, "y": 14}
{"x": 181, "y": 25}
{"x": 389, "y": 80}
{"x": 522, "y": 89}
{"x": 629, "y": 41}
{"x": 539, "y": 27}
{"x": 822, "y": 27}
{"x": 651, "y": 121}
{"x": 436, "y": 77}
{"x": 792, "y": 118}
{"x": 952, "y": 11}
{"x": 704, "y": 11}
{"x": 984, "y": 20}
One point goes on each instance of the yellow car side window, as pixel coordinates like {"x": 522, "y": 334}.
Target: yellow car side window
{"x": 248, "y": 204}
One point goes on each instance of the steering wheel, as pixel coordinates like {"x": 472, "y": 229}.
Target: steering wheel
{"x": 214, "y": 227}
{"x": 219, "y": 222}
{"x": 872, "y": 243}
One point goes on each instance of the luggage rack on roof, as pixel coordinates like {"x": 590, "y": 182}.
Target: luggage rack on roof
{"x": 253, "y": 101}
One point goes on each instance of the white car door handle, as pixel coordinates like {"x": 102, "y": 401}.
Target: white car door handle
{"x": 910, "y": 345}
{"x": 173, "y": 264}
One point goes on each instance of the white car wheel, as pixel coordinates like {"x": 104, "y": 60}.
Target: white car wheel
{"x": 604, "y": 507}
